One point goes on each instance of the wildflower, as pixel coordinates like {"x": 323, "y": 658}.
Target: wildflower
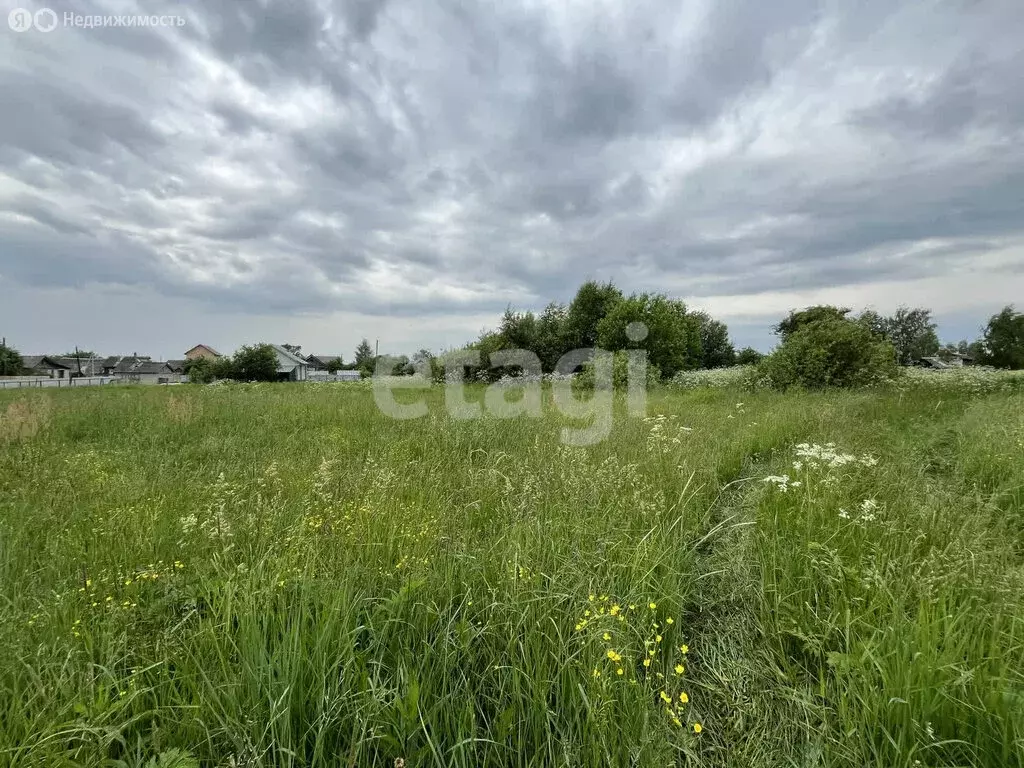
{"x": 647, "y": 662}
{"x": 676, "y": 722}
{"x": 684, "y": 698}
{"x": 680, "y": 669}
{"x": 592, "y": 598}
{"x": 632, "y": 606}
{"x": 652, "y": 606}
{"x": 613, "y": 655}
{"x": 670, "y": 620}
{"x": 657, "y": 639}
{"x": 697, "y": 728}
{"x": 684, "y": 649}
{"x": 614, "y": 610}
{"x": 596, "y": 672}
{"x": 844, "y": 514}
{"x": 619, "y": 671}
{"x": 607, "y": 636}
{"x": 665, "y": 697}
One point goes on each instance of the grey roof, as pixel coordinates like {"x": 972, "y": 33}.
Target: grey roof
{"x": 323, "y": 359}
{"x": 290, "y": 356}
{"x": 152, "y": 366}
{"x": 130, "y": 364}
{"x": 37, "y": 361}
{"x": 176, "y": 365}
{"x": 89, "y": 366}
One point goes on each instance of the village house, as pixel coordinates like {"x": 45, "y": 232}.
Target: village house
{"x": 82, "y": 367}
{"x": 290, "y": 367}
{"x": 319, "y": 363}
{"x": 143, "y": 370}
{"x": 202, "y": 350}
{"x": 44, "y": 365}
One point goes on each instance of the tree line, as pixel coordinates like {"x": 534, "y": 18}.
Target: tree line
{"x": 821, "y": 345}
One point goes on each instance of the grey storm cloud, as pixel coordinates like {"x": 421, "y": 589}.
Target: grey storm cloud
{"x": 406, "y": 157}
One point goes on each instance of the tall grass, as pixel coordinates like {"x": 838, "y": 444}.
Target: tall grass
{"x": 278, "y": 575}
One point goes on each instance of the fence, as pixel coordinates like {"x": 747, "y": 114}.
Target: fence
{"x": 44, "y": 382}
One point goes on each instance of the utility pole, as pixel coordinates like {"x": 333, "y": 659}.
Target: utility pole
{"x": 376, "y": 354}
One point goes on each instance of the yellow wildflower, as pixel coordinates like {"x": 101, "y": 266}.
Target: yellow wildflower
{"x": 606, "y": 636}
{"x": 652, "y": 606}
{"x": 647, "y": 662}
{"x": 618, "y": 671}
{"x": 670, "y": 620}
{"x": 680, "y": 669}
{"x": 665, "y": 697}
{"x": 613, "y": 655}
{"x": 684, "y": 698}
{"x": 684, "y": 648}
{"x": 697, "y": 728}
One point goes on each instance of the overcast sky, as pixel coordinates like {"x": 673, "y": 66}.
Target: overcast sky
{"x": 316, "y": 172}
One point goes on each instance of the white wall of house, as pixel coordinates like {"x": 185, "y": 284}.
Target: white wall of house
{"x": 152, "y": 378}
{"x": 286, "y": 363}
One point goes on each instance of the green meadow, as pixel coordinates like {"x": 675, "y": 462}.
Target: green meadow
{"x": 280, "y": 575}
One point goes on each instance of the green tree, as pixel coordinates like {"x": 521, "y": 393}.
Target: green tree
{"x": 224, "y": 368}
{"x": 716, "y": 349}
{"x": 875, "y": 322}
{"x": 364, "y": 361}
{"x": 830, "y": 352}
{"x": 748, "y": 356}
{"x": 912, "y": 334}
{"x": 255, "y": 363}
{"x": 11, "y": 363}
{"x": 1003, "y": 339}
{"x": 200, "y": 370}
{"x": 673, "y": 336}
{"x": 552, "y": 336}
{"x": 799, "y": 318}
{"x": 82, "y": 353}
{"x": 592, "y": 303}
{"x": 518, "y": 330}
{"x": 334, "y": 365}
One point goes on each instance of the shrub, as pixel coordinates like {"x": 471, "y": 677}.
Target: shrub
{"x": 748, "y": 356}
{"x": 200, "y": 370}
{"x": 830, "y": 352}
{"x": 620, "y": 373}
